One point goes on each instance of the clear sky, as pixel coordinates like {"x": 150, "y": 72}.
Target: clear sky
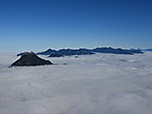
{"x": 40, "y": 24}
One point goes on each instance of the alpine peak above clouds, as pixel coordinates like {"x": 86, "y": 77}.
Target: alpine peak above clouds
{"x": 31, "y": 59}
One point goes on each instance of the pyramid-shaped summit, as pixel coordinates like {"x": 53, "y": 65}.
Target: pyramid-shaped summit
{"x": 31, "y": 59}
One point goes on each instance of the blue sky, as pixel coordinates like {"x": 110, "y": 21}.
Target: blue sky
{"x": 40, "y": 24}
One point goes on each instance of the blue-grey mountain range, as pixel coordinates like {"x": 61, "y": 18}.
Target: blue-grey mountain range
{"x": 84, "y": 51}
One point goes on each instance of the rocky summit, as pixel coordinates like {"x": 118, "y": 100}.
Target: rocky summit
{"x": 30, "y": 59}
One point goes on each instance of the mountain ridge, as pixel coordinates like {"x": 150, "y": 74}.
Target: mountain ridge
{"x": 84, "y": 51}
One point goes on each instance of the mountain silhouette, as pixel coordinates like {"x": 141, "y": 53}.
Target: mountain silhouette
{"x": 30, "y": 59}
{"x": 84, "y": 51}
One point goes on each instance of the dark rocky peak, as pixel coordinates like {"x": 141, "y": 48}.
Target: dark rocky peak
{"x": 30, "y": 59}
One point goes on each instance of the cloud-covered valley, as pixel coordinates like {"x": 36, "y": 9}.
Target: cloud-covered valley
{"x": 89, "y": 84}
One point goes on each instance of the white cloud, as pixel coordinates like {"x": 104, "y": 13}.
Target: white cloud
{"x": 90, "y": 84}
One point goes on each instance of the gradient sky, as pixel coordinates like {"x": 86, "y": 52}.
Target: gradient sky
{"x": 40, "y": 24}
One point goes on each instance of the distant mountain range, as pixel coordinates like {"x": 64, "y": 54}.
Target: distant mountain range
{"x": 147, "y": 50}
{"x": 65, "y": 52}
{"x": 150, "y": 49}
{"x": 83, "y": 51}
{"x": 116, "y": 51}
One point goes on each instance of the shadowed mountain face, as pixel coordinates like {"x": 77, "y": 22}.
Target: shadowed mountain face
{"x": 47, "y": 52}
{"x": 55, "y": 54}
{"x": 65, "y": 52}
{"x": 117, "y": 51}
{"x": 148, "y": 50}
{"x": 30, "y": 59}
{"x": 68, "y": 52}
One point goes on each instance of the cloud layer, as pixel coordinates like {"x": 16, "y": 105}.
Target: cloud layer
{"x": 90, "y": 84}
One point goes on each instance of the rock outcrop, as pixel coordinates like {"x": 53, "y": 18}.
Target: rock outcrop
{"x": 30, "y": 59}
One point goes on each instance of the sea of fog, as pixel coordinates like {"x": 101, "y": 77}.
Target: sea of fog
{"x": 89, "y": 84}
